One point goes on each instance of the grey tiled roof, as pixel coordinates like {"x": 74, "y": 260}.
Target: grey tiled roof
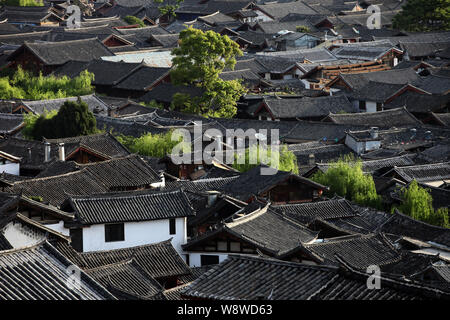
{"x": 308, "y": 107}
{"x": 58, "y": 53}
{"x": 10, "y": 122}
{"x": 40, "y": 106}
{"x": 160, "y": 260}
{"x": 126, "y": 278}
{"x": 399, "y": 117}
{"x": 403, "y": 225}
{"x": 101, "y": 177}
{"x": 359, "y": 251}
{"x": 328, "y": 209}
{"x": 253, "y": 183}
{"x": 423, "y": 173}
{"x": 131, "y": 206}
{"x": 251, "y": 278}
{"x": 105, "y": 72}
{"x": 42, "y": 273}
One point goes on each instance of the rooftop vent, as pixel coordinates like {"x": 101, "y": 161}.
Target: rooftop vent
{"x": 47, "y": 152}
{"x": 374, "y": 132}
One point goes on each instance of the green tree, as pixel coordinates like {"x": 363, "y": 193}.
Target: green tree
{"x": 423, "y": 15}
{"x": 153, "y": 145}
{"x": 23, "y": 85}
{"x": 73, "y": 119}
{"x": 303, "y": 29}
{"x": 198, "y": 61}
{"x": 152, "y": 104}
{"x": 23, "y": 3}
{"x": 132, "y": 20}
{"x": 417, "y": 202}
{"x": 168, "y": 7}
{"x": 346, "y": 179}
{"x": 287, "y": 161}
{"x": 30, "y": 120}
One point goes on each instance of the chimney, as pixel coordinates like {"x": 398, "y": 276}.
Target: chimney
{"x": 413, "y": 134}
{"x": 62, "y": 155}
{"x": 374, "y": 132}
{"x": 212, "y": 197}
{"x": 46, "y": 152}
{"x": 312, "y": 159}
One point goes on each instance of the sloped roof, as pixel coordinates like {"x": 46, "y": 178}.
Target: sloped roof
{"x": 393, "y": 76}
{"x": 270, "y": 231}
{"x": 443, "y": 118}
{"x": 20, "y": 37}
{"x": 126, "y": 277}
{"x": 382, "y": 92}
{"x": 362, "y": 52}
{"x": 252, "y": 278}
{"x": 131, "y": 206}
{"x": 252, "y": 182}
{"x": 308, "y": 107}
{"x": 421, "y": 49}
{"x": 383, "y": 119}
{"x": 359, "y": 251}
{"x": 101, "y": 177}
{"x": 42, "y": 273}
{"x": 328, "y": 209}
{"x": 299, "y": 55}
{"x": 280, "y": 10}
{"x": 103, "y": 143}
{"x": 372, "y": 165}
{"x": 423, "y": 173}
{"x": 216, "y": 18}
{"x": 159, "y": 260}
{"x": 165, "y": 91}
{"x": 322, "y": 152}
{"x": 142, "y": 78}
{"x": 435, "y": 84}
{"x": 209, "y": 184}
{"x": 242, "y": 278}
{"x": 58, "y": 53}
{"x": 10, "y": 123}
{"x": 405, "y": 226}
{"x": 165, "y": 40}
{"x": 39, "y": 106}
{"x": 105, "y": 72}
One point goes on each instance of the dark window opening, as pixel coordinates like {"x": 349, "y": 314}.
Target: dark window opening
{"x": 114, "y": 232}
{"x": 206, "y": 260}
{"x": 172, "y": 226}
{"x": 76, "y": 236}
{"x": 362, "y": 105}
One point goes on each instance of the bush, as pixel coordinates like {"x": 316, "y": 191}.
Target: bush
{"x": 346, "y": 179}
{"x": 418, "y": 204}
{"x": 132, "y": 20}
{"x": 303, "y": 29}
{"x": 23, "y": 85}
{"x": 153, "y": 145}
{"x": 73, "y": 119}
{"x": 23, "y": 3}
{"x": 287, "y": 159}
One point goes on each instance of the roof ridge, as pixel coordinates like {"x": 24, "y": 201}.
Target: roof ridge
{"x": 281, "y": 262}
{"x": 40, "y": 243}
{"x": 156, "y": 244}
